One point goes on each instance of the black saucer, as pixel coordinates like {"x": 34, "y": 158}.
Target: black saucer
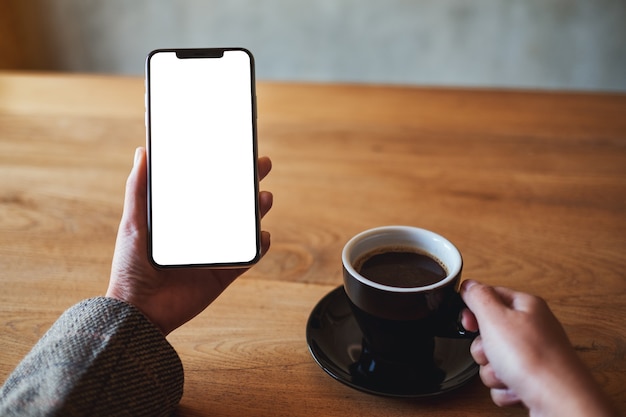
{"x": 335, "y": 340}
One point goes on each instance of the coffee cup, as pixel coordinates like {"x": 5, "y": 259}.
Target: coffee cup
{"x": 402, "y": 287}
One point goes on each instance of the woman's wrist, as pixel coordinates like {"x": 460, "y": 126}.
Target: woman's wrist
{"x": 566, "y": 387}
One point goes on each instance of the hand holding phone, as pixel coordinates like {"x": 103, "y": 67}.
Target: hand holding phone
{"x": 169, "y": 297}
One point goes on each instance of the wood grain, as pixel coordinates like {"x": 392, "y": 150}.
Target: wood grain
{"x": 531, "y": 186}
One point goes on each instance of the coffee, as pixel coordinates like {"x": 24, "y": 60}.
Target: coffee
{"x": 400, "y": 267}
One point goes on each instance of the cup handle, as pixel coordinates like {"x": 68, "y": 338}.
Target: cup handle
{"x": 451, "y": 326}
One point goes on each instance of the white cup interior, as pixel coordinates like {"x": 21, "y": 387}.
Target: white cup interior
{"x": 422, "y": 240}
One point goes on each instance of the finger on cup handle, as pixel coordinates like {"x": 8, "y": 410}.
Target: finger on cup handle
{"x": 482, "y": 301}
{"x": 504, "y": 397}
{"x": 489, "y": 377}
{"x": 477, "y": 351}
{"x": 468, "y": 320}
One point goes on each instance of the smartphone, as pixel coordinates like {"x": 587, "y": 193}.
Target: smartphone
{"x": 203, "y": 208}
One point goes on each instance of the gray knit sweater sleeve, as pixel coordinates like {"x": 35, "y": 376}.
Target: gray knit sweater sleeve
{"x": 102, "y": 357}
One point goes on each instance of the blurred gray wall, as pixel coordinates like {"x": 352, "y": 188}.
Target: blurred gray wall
{"x": 553, "y": 44}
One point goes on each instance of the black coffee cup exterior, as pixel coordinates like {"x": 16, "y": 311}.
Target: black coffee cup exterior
{"x": 405, "y": 305}
{"x": 401, "y": 325}
{"x": 398, "y": 347}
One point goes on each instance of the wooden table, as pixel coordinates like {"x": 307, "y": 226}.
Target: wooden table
{"x": 530, "y": 185}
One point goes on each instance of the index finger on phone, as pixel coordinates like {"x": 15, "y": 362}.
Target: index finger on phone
{"x": 264, "y": 166}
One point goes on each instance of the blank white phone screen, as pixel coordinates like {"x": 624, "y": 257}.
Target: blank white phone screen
{"x": 202, "y": 168}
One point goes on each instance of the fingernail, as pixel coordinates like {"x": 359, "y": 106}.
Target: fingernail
{"x": 137, "y": 156}
{"x": 467, "y": 284}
